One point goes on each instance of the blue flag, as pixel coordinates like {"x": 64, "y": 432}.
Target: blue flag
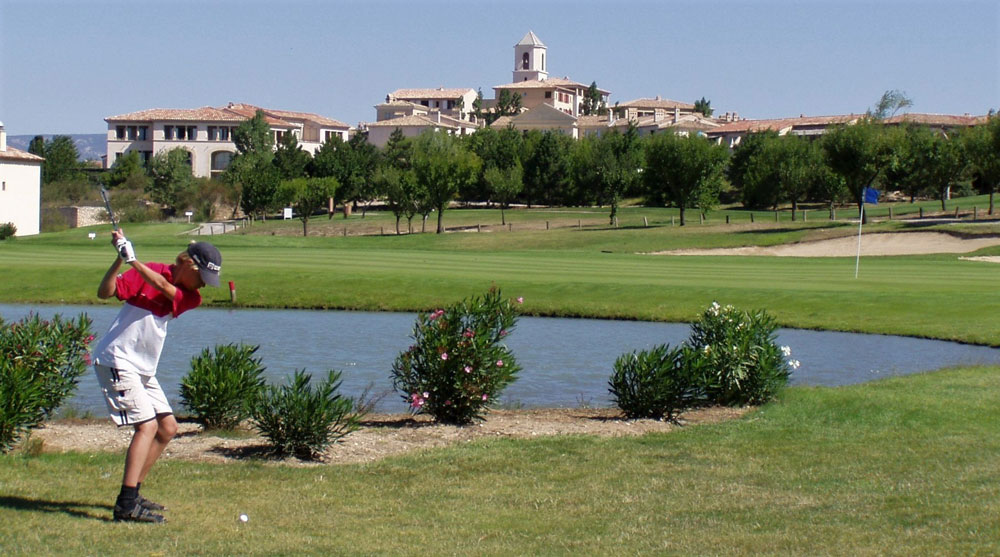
{"x": 871, "y": 195}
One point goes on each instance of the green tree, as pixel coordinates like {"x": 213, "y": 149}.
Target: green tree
{"x": 252, "y": 172}
{"x": 593, "y": 104}
{"x": 608, "y": 166}
{"x": 290, "y": 159}
{"x": 684, "y": 171}
{"x": 399, "y": 186}
{"x": 892, "y": 101}
{"x": 704, "y": 106}
{"x": 797, "y": 159}
{"x": 508, "y": 104}
{"x": 981, "y": 146}
{"x": 752, "y": 170}
{"x": 37, "y": 146}
{"x": 171, "y": 174}
{"x": 364, "y": 160}
{"x": 942, "y": 162}
{"x": 127, "y": 169}
{"x": 308, "y": 195}
{"x": 505, "y": 184}
{"x": 443, "y": 166}
{"x": 858, "y": 154}
{"x": 61, "y": 162}
{"x": 547, "y": 170}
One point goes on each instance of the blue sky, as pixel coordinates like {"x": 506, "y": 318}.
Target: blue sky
{"x": 65, "y": 66}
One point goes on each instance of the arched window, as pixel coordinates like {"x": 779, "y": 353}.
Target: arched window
{"x": 524, "y": 61}
{"x": 220, "y": 162}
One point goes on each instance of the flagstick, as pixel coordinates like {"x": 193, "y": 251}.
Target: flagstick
{"x": 857, "y": 261}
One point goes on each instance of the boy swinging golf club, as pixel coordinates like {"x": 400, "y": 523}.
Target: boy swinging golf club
{"x": 126, "y": 357}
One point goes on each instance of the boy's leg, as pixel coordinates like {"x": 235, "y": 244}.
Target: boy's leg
{"x": 166, "y": 428}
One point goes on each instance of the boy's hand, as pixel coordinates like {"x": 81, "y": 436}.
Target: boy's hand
{"x": 125, "y": 250}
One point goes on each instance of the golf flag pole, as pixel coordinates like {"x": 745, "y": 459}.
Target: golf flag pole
{"x": 870, "y": 196}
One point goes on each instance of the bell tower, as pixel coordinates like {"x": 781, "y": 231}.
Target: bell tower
{"x": 529, "y": 59}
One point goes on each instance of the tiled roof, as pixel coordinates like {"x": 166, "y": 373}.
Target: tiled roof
{"x": 549, "y": 83}
{"x": 415, "y": 120}
{"x": 936, "y": 119}
{"x": 656, "y": 103}
{"x": 315, "y": 118}
{"x": 15, "y": 154}
{"x": 233, "y": 112}
{"x": 439, "y": 93}
{"x": 531, "y": 39}
{"x": 502, "y": 122}
{"x": 203, "y": 114}
{"x": 747, "y": 126}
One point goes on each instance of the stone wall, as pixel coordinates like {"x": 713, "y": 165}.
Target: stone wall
{"x": 84, "y": 216}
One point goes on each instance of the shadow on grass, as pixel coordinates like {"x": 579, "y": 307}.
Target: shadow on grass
{"x": 78, "y": 509}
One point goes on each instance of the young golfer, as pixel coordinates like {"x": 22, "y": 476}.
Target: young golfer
{"x": 125, "y": 359}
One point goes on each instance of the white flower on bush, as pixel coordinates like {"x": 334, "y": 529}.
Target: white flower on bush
{"x": 794, "y": 364}
{"x": 786, "y": 350}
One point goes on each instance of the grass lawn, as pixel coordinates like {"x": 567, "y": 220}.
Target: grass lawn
{"x": 904, "y": 466}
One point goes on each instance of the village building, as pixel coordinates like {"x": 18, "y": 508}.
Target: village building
{"x": 20, "y": 188}
{"x": 207, "y": 133}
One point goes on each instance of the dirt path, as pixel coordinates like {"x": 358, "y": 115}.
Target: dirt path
{"x": 898, "y": 243}
{"x": 381, "y": 435}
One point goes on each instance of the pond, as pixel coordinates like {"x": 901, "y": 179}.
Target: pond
{"x": 566, "y": 362}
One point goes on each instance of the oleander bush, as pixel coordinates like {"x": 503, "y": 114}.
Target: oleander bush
{"x": 223, "y": 385}
{"x": 41, "y": 362}
{"x": 458, "y": 364}
{"x": 303, "y": 421}
{"x": 731, "y": 358}
{"x": 738, "y": 351}
{"x": 658, "y": 383}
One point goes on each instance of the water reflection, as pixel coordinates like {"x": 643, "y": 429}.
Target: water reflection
{"x": 566, "y": 362}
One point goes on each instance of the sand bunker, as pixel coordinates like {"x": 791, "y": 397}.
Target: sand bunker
{"x": 899, "y": 243}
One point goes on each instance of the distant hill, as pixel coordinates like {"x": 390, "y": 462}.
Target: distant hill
{"x": 90, "y": 146}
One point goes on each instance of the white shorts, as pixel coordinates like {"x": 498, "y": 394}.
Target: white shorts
{"x": 132, "y": 398}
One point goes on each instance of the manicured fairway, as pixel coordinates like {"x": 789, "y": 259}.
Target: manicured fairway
{"x": 936, "y": 296}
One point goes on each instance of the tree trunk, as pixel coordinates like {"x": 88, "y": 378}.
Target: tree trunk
{"x": 682, "y": 214}
{"x": 397, "y": 225}
{"x": 943, "y": 202}
{"x": 305, "y": 227}
{"x": 795, "y": 207}
{"x": 330, "y": 207}
{"x": 440, "y": 228}
{"x": 614, "y": 213}
{"x": 991, "y": 202}
{"x": 503, "y": 222}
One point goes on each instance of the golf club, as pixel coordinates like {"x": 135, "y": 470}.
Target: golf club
{"x": 107, "y": 205}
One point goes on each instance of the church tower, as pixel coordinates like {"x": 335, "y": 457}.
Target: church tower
{"x": 529, "y": 59}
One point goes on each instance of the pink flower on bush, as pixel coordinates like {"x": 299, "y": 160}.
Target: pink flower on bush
{"x": 468, "y": 333}
{"x": 417, "y": 401}
{"x": 520, "y": 299}
{"x": 503, "y": 333}
{"x": 444, "y": 355}
{"x": 499, "y": 363}
{"x": 468, "y": 369}
{"x": 485, "y": 397}
{"x": 436, "y": 314}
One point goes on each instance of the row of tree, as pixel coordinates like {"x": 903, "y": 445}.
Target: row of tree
{"x": 422, "y": 175}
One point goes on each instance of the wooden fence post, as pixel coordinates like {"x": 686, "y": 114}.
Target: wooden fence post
{"x": 921, "y": 212}
{"x": 645, "y": 222}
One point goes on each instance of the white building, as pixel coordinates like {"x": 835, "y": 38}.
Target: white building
{"x": 207, "y": 133}
{"x": 20, "y": 188}
{"x": 533, "y": 84}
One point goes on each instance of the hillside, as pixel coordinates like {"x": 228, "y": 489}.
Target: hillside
{"x": 91, "y": 146}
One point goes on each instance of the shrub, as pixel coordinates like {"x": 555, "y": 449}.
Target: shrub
{"x": 738, "y": 351}
{"x": 223, "y": 385}
{"x": 457, "y": 365}
{"x": 7, "y": 230}
{"x": 301, "y": 421}
{"x": 659, "y": 383}
{"x": 40, "y": 364}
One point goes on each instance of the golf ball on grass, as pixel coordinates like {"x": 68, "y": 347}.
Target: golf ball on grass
{"x": 244, "y": 518}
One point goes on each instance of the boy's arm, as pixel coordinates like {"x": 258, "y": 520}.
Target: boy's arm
{"x": 108, "y": 286}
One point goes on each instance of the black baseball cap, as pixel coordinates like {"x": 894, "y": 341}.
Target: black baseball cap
{"x": 208, "y": 259}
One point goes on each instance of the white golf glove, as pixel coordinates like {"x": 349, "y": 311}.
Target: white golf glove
{"x": 125, "y": 250}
